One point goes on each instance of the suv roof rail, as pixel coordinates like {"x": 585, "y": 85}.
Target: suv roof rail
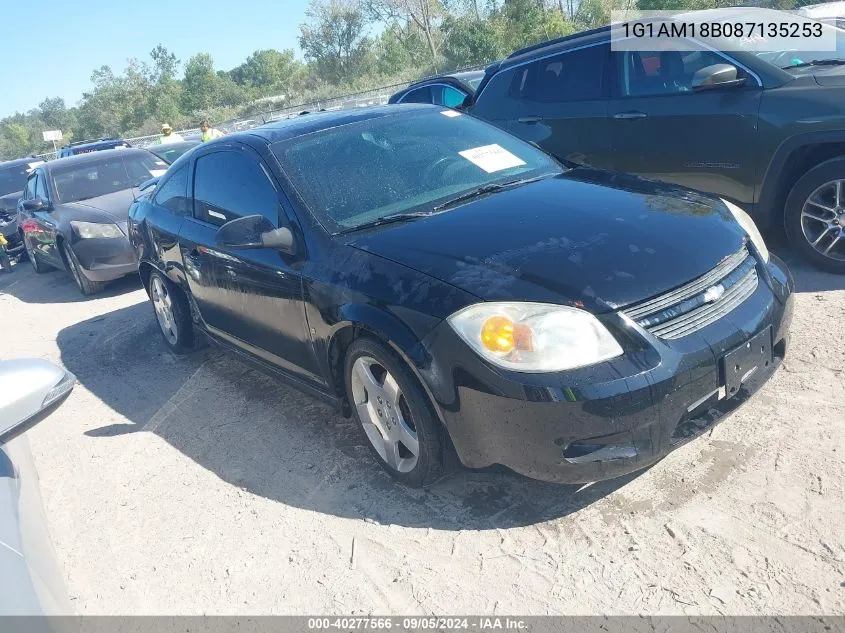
{"x": 558, "y": 40}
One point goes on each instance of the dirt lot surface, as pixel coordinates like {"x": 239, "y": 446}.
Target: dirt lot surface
{"x": 198, "y": 485}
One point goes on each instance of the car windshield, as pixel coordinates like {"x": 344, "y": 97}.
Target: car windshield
{"x": 101, "y": 177}
{"x": 13, "y": 179}
{"x": 171, "y": 152}
{"x": 789, "y": 59}
{"x": 354, "y": 174}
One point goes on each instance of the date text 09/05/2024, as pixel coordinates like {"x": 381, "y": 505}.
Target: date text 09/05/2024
{"x": 417, "y": 623}
{"x": 675, "y": 29}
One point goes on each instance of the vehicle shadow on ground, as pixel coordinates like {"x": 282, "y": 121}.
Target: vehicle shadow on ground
{"x": 56, "y": 286}
{"x": 807, "y": 278}
{"x": 271, "y": 440}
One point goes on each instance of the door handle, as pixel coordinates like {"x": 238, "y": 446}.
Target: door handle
{"x": 529, "y": 119}
{"x": 631, "y": 114}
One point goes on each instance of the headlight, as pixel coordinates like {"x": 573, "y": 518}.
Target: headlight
{"x": 750, "y": 228}
{"x": 88, "y": 230}
{"x": 534, "y": 337}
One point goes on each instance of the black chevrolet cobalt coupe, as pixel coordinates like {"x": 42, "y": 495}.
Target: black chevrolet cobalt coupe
{"x": 458, "y": 290}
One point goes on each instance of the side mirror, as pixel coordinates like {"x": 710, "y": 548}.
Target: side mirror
{"x": 36, "y": 204}
{"x": 716, "y": 76}
{"x": 30, "y": 388}
{"x": 254, "y": 231}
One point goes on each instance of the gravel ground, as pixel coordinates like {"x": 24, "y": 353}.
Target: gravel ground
{"x": 198, "y": 485}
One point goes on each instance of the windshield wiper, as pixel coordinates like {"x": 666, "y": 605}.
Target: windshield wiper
{"x": 388, "y": 219}
{"x": 817, "y": 62}
{"x": 484, "y": 190}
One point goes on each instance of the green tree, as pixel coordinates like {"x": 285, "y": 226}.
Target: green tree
{"x": 199, "y": 87}
{"x": 470, "y": 41}
{"x": 268, "y": 71}
{"x": 425, "y": 15}
{"x": 334, "y": 40}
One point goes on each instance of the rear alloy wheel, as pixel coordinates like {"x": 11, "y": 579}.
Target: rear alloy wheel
{"x": 394, "y": 414}
{"x": 172, "y": 313}
{"x": 85, "y": 285}
{"x": 37, "y": 265}
{"x": 815, "y": 216}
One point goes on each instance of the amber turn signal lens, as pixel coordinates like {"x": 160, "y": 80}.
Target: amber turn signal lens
{"x": 497, "y": 334}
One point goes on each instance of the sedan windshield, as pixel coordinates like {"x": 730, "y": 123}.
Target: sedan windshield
{"x": 407, "y": 163}
{"x": 101, "y": 177}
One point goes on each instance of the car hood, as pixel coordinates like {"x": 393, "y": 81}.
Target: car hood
{"x": 9, "y": 202}
{"x": 588, "y": 236}
{"x": 112, "y": 207}
{"x": 829, "y": 75}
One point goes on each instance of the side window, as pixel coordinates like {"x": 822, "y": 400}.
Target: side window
{"x": 231, "y": 184}
{"x": 173, "y": 193}
{"x": 572, "y": 76}
{"x": 420, "y": 95}
{"x": 41, "y": 187}
{"x": 648, "y": 73}
{"x": 452, "y": 97}
{"x": 499, "y": 99}
{"x": 29, "y": 193}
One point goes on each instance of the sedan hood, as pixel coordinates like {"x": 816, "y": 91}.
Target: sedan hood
{"x": 590, "y": 236}
{"x": 112, "y": 207}
{"x": 9, "y": 202}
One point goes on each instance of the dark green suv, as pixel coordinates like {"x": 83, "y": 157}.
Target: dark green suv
{"x": 764, "y": 130}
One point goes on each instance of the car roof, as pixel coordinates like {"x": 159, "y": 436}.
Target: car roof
{"x": 20, "y": 161}
{"x": 92, "y": 157}
{"x": 98, "y": 141}
{"x": 189, "y": 142}
{"x": 464, "y": 77}
{"x": 317, "y": 121}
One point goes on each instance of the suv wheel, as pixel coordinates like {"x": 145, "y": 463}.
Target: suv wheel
{"x": 394, "y": 414}
{"x": 85, "y": 285}
{"x": 815, "y": 216}
{"x": 172, "y": 313}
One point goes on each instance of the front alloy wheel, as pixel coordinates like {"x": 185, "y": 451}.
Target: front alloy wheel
{"x": 384, "y": 414}
{"x": 823, "y": 220}
{"x": 395, "y": 414}
{"x": 163, "y": 305}
{"x": 814, "y": 215}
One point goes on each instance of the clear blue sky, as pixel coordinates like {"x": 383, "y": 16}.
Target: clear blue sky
{"x": 51, "y": 51}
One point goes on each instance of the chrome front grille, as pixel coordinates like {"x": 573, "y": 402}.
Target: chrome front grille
{"x": 701, "y": 302}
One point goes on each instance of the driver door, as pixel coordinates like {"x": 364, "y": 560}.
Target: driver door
{"x": 39, "y": 227}
{"x": 251, "y": 298}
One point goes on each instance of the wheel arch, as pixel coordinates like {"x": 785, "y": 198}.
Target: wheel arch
{"x": 361, "y": 320}
{"x": 792, "y": 159}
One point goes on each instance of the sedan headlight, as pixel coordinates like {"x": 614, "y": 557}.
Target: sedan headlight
{"x": 534, "y": 337}
{"x": 89, "y": 230}
{"x": 750, "y": 228}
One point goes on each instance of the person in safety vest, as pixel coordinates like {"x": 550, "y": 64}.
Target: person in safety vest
{"x": 167, "y": 136}
{"x": 209, "y": 133}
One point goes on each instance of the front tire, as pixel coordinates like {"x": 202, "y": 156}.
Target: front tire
{"x": 394, "y": 414}
{"x": 85, "y": 285}
{"x": 814, "y": 216}
{"x": 172, "y": 314}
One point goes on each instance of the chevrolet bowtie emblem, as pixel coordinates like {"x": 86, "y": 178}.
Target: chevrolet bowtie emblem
{"x": 713, "y": 293}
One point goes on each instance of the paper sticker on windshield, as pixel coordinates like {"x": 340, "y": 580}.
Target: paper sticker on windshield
{"x": 155, "y": 173}
{"x": 450, "y": 113}
{"x": 34, "y": 164}
{"x": 492, "y": 158}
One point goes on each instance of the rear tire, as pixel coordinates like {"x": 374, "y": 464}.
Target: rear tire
{"x": 814, "y": 216}
{"x": 33, "y": 258}
{"x": 172, "y": 314}
{"x": 394, "y": 414}
{"x": 85, "y": 285}
{"x": 5, "y": 262}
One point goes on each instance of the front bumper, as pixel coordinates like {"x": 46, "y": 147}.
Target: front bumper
{"x": 104, "y": 259}
{"x": 610, "y": 419}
